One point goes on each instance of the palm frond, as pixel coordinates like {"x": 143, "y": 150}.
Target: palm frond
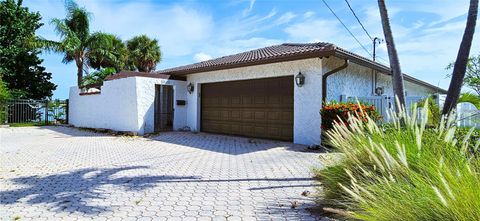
{"x": 47, "y": 45}
{"x": 470, "y": 98}
{"x": 70, "y": 6}
{"x": 60, "y": 27}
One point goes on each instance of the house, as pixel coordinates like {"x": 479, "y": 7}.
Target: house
{"x": 273, "y": 92}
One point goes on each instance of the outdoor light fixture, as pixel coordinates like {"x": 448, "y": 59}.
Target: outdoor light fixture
{"x": 190, "y": 88}
{"x": 300, "y": 79}
{"x": 379, "y": 91}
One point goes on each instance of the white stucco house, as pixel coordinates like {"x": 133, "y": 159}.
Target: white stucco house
{"x": 274, "y": 92}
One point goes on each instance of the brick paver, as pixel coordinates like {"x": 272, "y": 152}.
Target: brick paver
{"x": 61, "y": 173}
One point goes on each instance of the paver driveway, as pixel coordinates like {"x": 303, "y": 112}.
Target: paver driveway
{"x": 53, "y": 173}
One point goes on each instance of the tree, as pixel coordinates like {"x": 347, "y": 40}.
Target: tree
{"x": 472, "y": 75}
{"x": 397, "y": 76}
{"x": 79, "y": 45}
{"x": 115, "y": 57}
{"x": 20, "y": 66}
{"x": 460, "y": 65}
{"x": 143, "y": 53}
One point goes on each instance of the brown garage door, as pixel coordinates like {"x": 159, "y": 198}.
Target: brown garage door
{"x": 260, "y": 108}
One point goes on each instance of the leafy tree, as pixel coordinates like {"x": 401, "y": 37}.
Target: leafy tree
{"x": 116, "y": 56}
{"x": 98, "y": 76}
{"x": 460, "y": 66}
{"x": 20, "y": 66}
{"x": 4, "y": 93}
{"x": 472, "y": 75}
{"x": 78, "y": 45}
{"x": 143, "y": 53}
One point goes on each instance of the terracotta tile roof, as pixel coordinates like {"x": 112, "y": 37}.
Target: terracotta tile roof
{"x": 272, "y": 53}
{"x": 285, "y": 52}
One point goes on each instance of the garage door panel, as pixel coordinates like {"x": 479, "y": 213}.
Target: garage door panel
{"x": 256, "y": 108}
{"x": 259, "y": 100}
{"x": 236, "y": 115}
{"x": 247, "y": 101}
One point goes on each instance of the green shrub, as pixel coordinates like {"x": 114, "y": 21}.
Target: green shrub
{"x": 4, "y": 96}
{"x": 402, "y": 172}
{"x": 433, "y": 110}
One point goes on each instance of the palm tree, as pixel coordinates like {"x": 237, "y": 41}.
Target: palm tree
{"x": 143, "y": 53}
{"x": 397, "y": 76}
{"x": 78, "y": 44}
{"x": 461, "y": 62}
{"x": 75, "y": 36}
{"x": 107, "y": 50}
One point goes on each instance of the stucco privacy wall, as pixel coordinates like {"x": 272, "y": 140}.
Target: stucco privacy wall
{"x": 125, "y": 104}
{"x": 145, "y": 91}
{"x": 114, "y": 108}
{"x": 307, "y": 99}
{"x": 356, "y": 80}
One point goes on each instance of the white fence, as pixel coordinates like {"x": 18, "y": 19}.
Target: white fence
{"x": 467, "y": 114}
{"x": 382, "y": 103}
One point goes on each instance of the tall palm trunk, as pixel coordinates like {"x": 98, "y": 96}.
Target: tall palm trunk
{"x": 79, "y": 72}
{"x": 460, "y": 66}
{"x": 397, "y": 76}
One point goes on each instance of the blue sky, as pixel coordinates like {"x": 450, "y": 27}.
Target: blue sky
{"x": 427, "y": 32}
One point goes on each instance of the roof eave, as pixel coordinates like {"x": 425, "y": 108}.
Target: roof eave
{"x": 340, "y": 53}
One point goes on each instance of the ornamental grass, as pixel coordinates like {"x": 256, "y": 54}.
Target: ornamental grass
{"x": 402, "y": 170}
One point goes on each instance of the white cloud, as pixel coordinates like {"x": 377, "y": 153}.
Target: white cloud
{"x": 285, "y": 18}
{"x": 178, "y": 28}
{"x": 249, "y": 9}
{"x": 308, "y": 14}
{"x": 201, "y": 57}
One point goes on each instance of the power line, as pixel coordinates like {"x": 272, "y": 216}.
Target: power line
{"x": 359, "y": 22}
{"x": 346, "y": 28}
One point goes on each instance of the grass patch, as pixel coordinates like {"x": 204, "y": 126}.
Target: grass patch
{"x": 29, "y": 124}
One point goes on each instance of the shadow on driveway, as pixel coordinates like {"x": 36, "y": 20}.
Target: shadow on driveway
{"x": 71, "y": 191}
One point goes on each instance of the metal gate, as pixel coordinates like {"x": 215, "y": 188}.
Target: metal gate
{"x": 34, "y": 111}
{"x": 163, "y": 120}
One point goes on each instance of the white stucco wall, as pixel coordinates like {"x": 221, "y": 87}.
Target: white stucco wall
{"x": 356, "y": 80}
{"x": 307, "y": 99}
{"x": 125, "y": 104}
{"x": 114, "y": 108}
{"x": 145, "y": 91}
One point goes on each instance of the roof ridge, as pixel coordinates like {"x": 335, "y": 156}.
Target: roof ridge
{"x": 307, "y": 44}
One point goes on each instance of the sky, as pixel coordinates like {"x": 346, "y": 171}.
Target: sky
{"x": 427, "y": 33}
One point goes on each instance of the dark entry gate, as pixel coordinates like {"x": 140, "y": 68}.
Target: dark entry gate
{"x": 163, "y": 108}
{"x": 34, "y": 111}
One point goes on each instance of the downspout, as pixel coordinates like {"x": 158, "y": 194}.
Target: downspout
{"x": 325, "y": 76}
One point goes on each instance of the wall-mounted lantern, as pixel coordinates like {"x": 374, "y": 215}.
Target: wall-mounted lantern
{"x": 379, "y": 91}
{"x": 190, "y": 88}
{"x": 300, "y": 79}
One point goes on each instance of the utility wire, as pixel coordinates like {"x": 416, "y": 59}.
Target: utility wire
{"x": 364, "y": 48}
{"x": 359, "y": 22}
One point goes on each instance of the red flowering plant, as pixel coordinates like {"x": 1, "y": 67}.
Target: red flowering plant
{"x": 339, "y": 112}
